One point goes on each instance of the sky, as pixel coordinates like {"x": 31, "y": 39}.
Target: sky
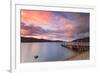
{"x": 54, "y": 25}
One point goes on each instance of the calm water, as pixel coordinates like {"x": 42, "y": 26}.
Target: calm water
{"x": 49, "y": 51}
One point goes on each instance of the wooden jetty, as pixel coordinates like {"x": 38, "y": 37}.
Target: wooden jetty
{"x": 77, "y": 46}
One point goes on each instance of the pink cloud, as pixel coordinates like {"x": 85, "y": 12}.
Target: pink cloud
{"x": 35, "y": 17}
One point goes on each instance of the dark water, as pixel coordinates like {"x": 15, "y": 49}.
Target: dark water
{"x": 43, "y": 52}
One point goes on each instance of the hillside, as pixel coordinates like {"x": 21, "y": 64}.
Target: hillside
{"x": 25, "y": 39}
{"x": 85, "y": 39}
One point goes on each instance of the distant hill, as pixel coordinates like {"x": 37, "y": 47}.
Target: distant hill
{"x": 85, "y": 39}
{"x": 25, "y": 39}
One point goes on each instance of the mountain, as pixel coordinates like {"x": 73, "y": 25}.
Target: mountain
{"x": 85, "y": 39}
{"x": 25, "y": 39}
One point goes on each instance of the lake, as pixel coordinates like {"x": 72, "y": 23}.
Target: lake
{"x": 44, "y": 52}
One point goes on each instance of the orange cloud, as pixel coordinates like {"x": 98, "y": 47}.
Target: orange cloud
{"x": 24, "y": 32}
{"x": 35, "y": 17}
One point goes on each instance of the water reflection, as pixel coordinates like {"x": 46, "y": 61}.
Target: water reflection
{"x": 43, "y": 52}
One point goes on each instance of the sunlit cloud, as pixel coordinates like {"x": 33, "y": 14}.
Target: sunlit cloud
{"x": 35, "y": 17}
{"x": 54, "y": 25}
